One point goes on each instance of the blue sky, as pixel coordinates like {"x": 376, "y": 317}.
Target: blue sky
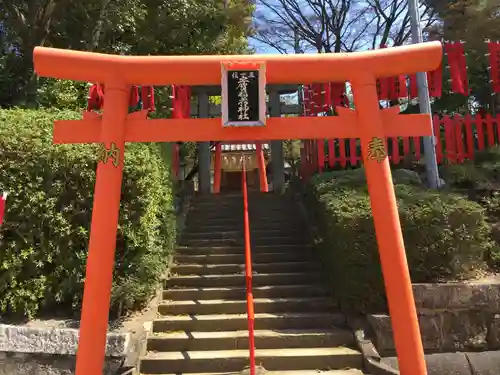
{"x": 260, "y": 47}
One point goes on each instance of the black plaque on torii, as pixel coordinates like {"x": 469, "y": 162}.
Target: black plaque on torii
{"x": 243, "y": 94}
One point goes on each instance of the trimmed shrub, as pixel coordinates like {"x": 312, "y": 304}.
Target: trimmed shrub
{"x": 480, "y": 178}
{"x": 492, "y": 206}
{"x": 481, "y": 173}
{"x": 44, "y": 238}
{"x": 446, "y": 236}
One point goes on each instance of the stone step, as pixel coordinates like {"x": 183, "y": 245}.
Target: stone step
{"x": 236, "y": 293}
{"x": 282, "y": 240}
{"x": 230, "y": 218}
{"x": 265, "y": 217}
{"x": 271, "y": 257}
{"x": 237, "y": 224}
{"x": 220, "y": 200}
{"x": 261, "y": 208}
{"x": 276, "y": 237}
{"x": 264, "y": 206}
{"x": 261, "y": 305}
{"x": 300, "y": 372}
{"x": 239, "y": 280}
{"x": 237, "y": 205}
{"x": 236, "y": 360}
{"x": 252, "y": 195}
{"x": 208, "y": 233}
{"x": 237, "y": 322}
{"x": 240, "y": 249}
{"x": 264, "y": 339}
{"x": 219, "y": 269}
{"x": 277, "y": 213}
{"x": 237, "y": 229}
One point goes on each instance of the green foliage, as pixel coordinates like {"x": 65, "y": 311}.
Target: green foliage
{"x": 471, "y": 21}
{"x": 481, "y": 179}
{"x": 11, "y": 86}
{"x": 446, "y": 236}
{"x": 465, "y": 175}
{"x": 43, "y": 241}
{"x": 62, "y": 94}
{"x": 482, "y": 172}
{"x": 138, "y": 27}
{"x": 492, "y": 206}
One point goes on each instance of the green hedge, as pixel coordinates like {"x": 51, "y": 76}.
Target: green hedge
{"x": 43, "y": 241}
{"x": 446, "y": 236}
{"x": 481, "y": 173}
{"x": 480, "y": 180}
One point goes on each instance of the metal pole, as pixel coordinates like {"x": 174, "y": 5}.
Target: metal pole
{"x": 277, "y": 157}
{"x": 297, "y": 50}
{"x": 300, "y": 100}
{"x": 431, "y": 167}
{"x": 204, "y": 156}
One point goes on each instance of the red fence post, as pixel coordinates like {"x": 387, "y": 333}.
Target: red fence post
{"x": 320, "y": 144}
{"x": 480, "y": 133}
{"x": 353, "y": 152}
{"x": 469, "y": 137}
{"x": 436, "y": 122}
{"x": 343, "y": 157}
{"x": 497, "y": 120}
{"x": 3, "y": 201}
{"x": 449, "y": 134}
{"x": 331, "y": 153}
{"x": 490, "y": 130}
{"x": 459, "y": 141}
{"x": 395, "y": 151}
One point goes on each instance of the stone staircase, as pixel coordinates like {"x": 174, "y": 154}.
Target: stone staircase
{"x": 202, "y": 323}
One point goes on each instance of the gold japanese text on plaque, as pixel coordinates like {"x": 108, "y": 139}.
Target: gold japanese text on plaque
{"x": 376, "y": 149}
{"x": 113, "y": 153}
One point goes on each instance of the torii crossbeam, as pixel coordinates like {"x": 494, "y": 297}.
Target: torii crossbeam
{"x": 116, "y": 127}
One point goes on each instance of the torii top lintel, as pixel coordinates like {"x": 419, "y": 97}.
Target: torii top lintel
{"x": 206, "y": 69}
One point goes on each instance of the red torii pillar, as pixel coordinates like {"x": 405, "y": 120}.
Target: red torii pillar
{"x": 217, "y": 167}
{"x": 261, "y": 162}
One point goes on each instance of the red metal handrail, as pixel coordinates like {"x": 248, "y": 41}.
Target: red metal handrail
{"x": 248, "y": 272}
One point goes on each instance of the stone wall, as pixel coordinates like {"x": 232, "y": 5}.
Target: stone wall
{"x": 46, "y": 364}
{"x": 453, "y": 317}
{"x": 51, "y": 351}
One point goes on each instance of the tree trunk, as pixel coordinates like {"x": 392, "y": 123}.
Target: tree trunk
{"x": 98, "y": 29}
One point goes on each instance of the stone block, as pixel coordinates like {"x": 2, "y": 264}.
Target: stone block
{"x": 61, "y": 341}
{"x": 457, "y": 296}
{"x": 484, "y": 363}
{"x": 452, "y": 331}
{"x": 494, "y": 333}
{"x": 441, "y": 332}
{"x": 440, "y": 364}
{"x": 380, "y": 326}
{"x": 43, "y": 364}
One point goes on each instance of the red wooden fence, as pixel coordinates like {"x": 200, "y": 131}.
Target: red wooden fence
{"x": 458, "y": 138}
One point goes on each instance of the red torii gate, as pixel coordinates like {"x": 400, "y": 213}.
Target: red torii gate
{"x": 116, "y": 127}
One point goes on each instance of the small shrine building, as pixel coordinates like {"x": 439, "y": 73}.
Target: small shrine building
{"x": 231, "y": 159}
